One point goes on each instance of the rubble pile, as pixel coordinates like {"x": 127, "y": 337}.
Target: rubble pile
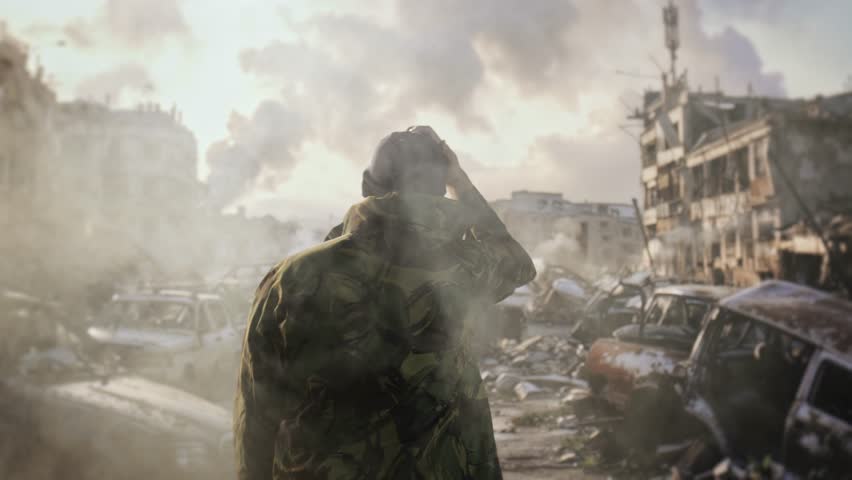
{"x": 536, "y": 366}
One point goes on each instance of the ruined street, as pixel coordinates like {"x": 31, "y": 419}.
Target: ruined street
{"x": 440, "y": 240}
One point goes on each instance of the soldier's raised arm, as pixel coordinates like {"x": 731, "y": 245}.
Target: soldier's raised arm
{"x": 500, "y": 263}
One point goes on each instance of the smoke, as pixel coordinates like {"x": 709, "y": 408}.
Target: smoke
{"x": 258, "y": 153}
{"x": 353, "y": 78}
{"x": 557, "y": 250}
{"x": 137, "y": 22}
{"x": 113, "y": 85}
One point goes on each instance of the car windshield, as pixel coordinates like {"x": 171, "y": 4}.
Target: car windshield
{"x": 150, "y": 314}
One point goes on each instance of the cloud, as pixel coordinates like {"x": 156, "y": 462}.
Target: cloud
{"x": 113, "y": 85}
{"x": 137, "y": 22}
{"x": 353, "y": 78}
{"x": 598, "y": 168}
{"x": 728, "y": 55}
{"x": 258, "y": 153}
{"x": 78, "y": 34}
{"x": 750, "y": 9}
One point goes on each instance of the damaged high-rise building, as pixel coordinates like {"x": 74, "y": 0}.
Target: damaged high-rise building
{"x": 725, "y": 177}
{"x": 588, "y": 237}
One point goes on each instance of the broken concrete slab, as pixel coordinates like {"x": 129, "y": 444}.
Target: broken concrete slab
{"x": 567, "y": 457}
{"x": 526, "y": 344}
{"x": 556, "y": 380}
{"x": 506, "y": 382}
{"x": 525, "y": 390}
{"x": 576, "y": 395}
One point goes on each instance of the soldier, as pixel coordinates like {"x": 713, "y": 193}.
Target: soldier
{"x": 356, "y": 360}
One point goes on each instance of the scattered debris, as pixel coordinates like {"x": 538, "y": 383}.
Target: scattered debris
{"x": 567, "y": 457}
{"x": 525, "y": 390}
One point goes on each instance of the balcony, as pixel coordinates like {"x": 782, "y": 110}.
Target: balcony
{"x": 649, "y": 173}
{"x": 669, "y": 209}
{"x": 695, "y": 211}
{"x": 670, "y": 155}
{"x": 760, "y": 190}
{"x": 649, "y": 216}
{"x": 723, "y": 205}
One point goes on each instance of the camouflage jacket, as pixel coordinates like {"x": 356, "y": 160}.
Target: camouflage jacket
{"x": 356, "y": 360}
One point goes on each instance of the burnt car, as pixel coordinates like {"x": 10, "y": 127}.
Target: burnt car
{"x": 64, "y": 416}
{"x": 180, "y": 337}
{"x": 769, "y": 376}
{"x": 616, "y": 303}
{"x": 561, "y": 302}
{"x": 510, "y": 313}
{"x": 630, "y": 365}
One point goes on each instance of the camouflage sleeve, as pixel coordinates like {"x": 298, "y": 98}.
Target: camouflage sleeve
{"x": 498, "y": 262}
{"x": 255, "y": 421}
{"x": 334, "y": 232}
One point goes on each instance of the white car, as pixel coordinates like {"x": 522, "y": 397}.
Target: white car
{"x": 62, "y": 415}
{"x": 184, "y": 338}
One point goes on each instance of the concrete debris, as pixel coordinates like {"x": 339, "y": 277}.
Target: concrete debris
{"x": 490, "y": 362}
{"x": 565, "y": 422}
{"x": 527, "y": 390}
{"x": 576, "y": 395}
{"x": 556, "y": 380}
{"x": 567, "y": 457}
{"x": 506, "y": 382}
{"x": 726, "y": 470}
{"x": 526, "y": 344}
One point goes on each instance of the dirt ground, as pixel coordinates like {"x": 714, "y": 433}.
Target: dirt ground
{"x": 532, "y": 453}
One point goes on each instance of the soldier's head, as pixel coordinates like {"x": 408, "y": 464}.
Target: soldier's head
{"x": 412, "y": 161}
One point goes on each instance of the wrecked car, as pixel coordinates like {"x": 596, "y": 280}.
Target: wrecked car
{"x": 561, "y": 302}
{"x": 616, "y": 303}
{"x": 631, "y": 364}
{"x": 769, "y": 375}
{"x": 511, "y": 312}
{"x": 179, "y": 337}
{"x": 64, "y": 416}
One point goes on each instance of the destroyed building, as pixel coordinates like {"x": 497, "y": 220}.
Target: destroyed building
{"x": 585, "y": 236}
{"x": 133, "y": 172}
{"x": 27, "y": 147}
{"x": 724, "y": 176}
{"x": 94, "y": 194}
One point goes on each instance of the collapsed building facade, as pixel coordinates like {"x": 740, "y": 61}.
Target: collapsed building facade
{"x": 724, "y": 177}
{"x": 584, "y": 236}
{"x": 91, "y": 194}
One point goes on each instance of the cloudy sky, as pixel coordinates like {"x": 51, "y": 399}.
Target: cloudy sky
{"x": 288, "y": 98}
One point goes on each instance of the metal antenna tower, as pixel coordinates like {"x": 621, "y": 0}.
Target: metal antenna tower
{"x": 670, "y": 21}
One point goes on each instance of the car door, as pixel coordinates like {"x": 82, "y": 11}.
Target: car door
{"x": 672, "y": 328}
{"x": 752, "y": 372}
{"x": 220, "y": 338}
{"x": 818, "y": 437}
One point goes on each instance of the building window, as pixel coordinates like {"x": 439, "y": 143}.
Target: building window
{"x": 761, "y": 167}
{"x": 649, "y": 154}
{"x": 765, "y": 232}
{"x": 626, "y": 232}
{"x": 604, "y": 225}
{"x": 697, "y": 182}
{"x": 650, "y": 197}
{"x": 605, "y": 238}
